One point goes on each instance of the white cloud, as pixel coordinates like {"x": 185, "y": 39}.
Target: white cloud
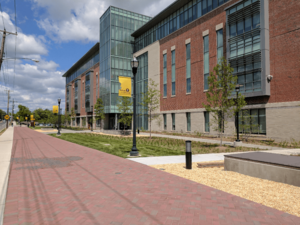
{"x": 31, "y": 84}
{"x": 78, "y": 20}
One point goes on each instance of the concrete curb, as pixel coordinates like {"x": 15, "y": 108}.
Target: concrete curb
{"x": 6, "y": 143}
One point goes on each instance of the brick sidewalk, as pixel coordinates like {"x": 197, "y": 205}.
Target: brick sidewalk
{"x": 56, "y": 182}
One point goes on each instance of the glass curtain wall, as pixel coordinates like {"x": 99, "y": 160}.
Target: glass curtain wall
{"x": 183, "y": 16}
{"x": 116, "y": 49}
{"x": 105, "y": 59}
{"x": 244, "y": 44}
{"x": 141, "y": 90}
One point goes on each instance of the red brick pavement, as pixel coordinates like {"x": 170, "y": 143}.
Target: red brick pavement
{"x": 56, "y": 182}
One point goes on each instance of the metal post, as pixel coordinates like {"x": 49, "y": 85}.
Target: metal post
{"x": 92, "y": 119}
{"x": 134, "y": 150}
{"x": 58, "y": 133}
{"x": 237, "y": 120}
{"x": 188, "y": 155}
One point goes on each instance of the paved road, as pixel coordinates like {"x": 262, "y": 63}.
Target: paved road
{"x": 56, "y": 182}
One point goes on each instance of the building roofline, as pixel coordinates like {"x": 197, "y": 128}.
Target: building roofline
{"x": 160, "y": 16}
{"x": 124, "y": 10}
{"x": 85, "y": 57}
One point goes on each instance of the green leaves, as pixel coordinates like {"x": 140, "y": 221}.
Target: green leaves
{"x": 125, "y": 108}
{"x": 220, "y": 96}
{"x": 99, "y": 110}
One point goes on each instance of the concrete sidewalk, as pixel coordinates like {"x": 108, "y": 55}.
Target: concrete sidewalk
{"x": 200, "y": 157}
{"x": 6, "y": 143}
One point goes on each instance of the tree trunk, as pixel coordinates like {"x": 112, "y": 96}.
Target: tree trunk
{"x": 150, "y": 125}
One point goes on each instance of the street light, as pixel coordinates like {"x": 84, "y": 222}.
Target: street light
{"x": 92, "y": 119}
{"x": 237, "y": 90}
{"x": 58, "y": 132}
{"x": 134, "y": 66}
{"x": 34, "y": 60}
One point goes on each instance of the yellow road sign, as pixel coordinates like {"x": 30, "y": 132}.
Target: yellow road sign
{"x": 6, "y": 117}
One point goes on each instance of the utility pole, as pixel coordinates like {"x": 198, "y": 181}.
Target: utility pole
{"x": 3, "y": 43}
{"x": 7, "y": 107}
{"x": 2, "y": 47}
{"x": 13, "y": 107}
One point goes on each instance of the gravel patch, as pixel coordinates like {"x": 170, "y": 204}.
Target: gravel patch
{"x": 276, "y": 195}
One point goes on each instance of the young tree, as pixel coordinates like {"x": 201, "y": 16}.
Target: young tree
{"x": 248, "y": 124}
{"x": 73, "y": 114}
{"x": 67, "y": 118}
{"x": 220, "y": 96}
{"x": 125, "y": 108}
{"x": 151, "y": 102}
{"x": 99, "y": 111}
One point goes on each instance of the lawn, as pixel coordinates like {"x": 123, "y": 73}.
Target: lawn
{"x": 121, "y": 146}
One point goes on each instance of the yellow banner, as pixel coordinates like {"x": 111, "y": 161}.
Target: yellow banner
{"x": 31, "y": 117}
{"x": 17, "y": 118}
{"x": 55, "y": 109}
{"x": 125, "y": 90}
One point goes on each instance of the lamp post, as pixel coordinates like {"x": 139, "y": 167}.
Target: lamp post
{"x": 237, "y": 90}
{"x": 134, "y": 66}
{"x": 92, "y": 119}
{"x": 58, "y": 132}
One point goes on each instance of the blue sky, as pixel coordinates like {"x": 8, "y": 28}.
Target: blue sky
{"x": 57, "y": 33}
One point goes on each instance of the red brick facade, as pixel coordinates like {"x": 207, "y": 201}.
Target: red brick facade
{"x": 95, "y": 86}
{"x": 284, "y": 17}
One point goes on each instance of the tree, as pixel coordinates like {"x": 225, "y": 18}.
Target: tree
{"x": 73, "y": 114}
{"x": 23, "y": 112}
{"x": 220, "y": 96}
{"x": 151, "y": 102}
{"x": 99, "y": 111}
{"x": 66, "y": 118}
{"x": 2, "y": 114}
{"x": 248, "y": 123}
{"x": 124, "y": 107}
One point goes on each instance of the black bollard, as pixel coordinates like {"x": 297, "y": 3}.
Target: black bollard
{"x": 188, "y": 155}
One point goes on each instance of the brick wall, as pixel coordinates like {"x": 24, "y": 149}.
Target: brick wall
{"x": 194, "y": 32}
{"x": 284, "y": 17}
{"x": 82, "y": 90}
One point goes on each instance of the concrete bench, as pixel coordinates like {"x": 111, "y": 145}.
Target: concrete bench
{"x": 269, "y": 166}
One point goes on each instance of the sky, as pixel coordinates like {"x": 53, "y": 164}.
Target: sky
{"x": 57, "y": 33}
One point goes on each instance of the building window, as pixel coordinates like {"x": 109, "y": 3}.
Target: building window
{"x": 256, "y": 118}
{"x": 206, "y": 61}
{"x": 220, "y": 44}
{"x": 206, "y": 120}
{"x": 188, "y": 121}
{"x": 165, "y": 75}
{"x": 173, "y": 121}
{"x": 188, "y": 68}
{"x": 173, "y": 72}
{"x": 165, "y": 121}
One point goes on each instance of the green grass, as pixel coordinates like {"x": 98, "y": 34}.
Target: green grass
{"x": 2, "y": 131}
{"x": 121, "y": 146}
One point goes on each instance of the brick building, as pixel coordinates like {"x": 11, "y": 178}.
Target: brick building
{"x": 180, "y": 46}
{"x": 258, "y": 37}
{"x": 82, "y": 87}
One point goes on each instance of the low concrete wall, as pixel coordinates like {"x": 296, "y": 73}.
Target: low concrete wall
{"x": 117, "y": 132}
{"x": 275, "y": 173}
